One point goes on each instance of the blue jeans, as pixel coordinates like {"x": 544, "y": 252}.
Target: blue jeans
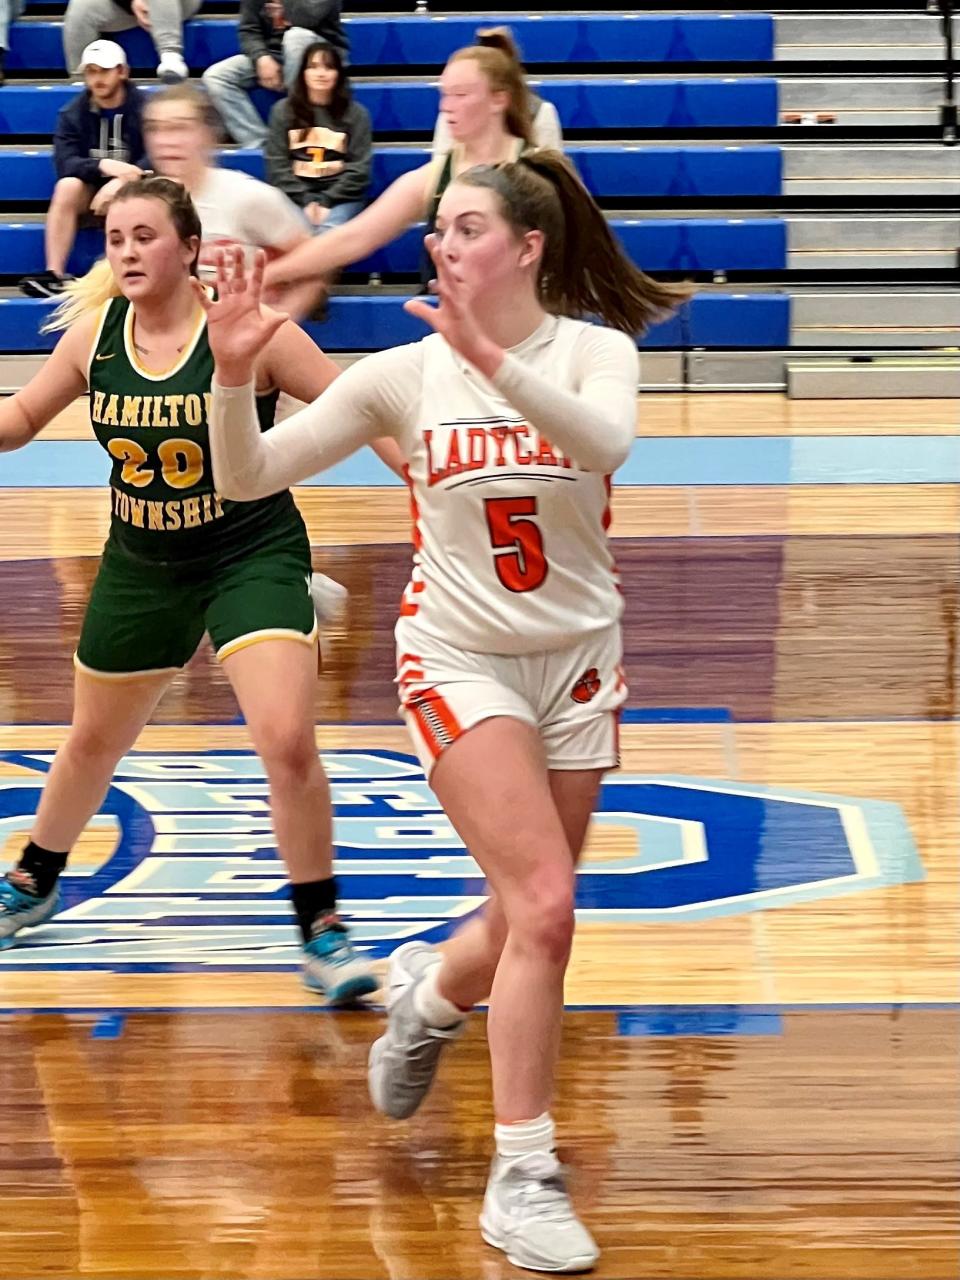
{"x": 229, "y": 82}
{"x": 9, "y": 11}
{"x": 338, "y": 215}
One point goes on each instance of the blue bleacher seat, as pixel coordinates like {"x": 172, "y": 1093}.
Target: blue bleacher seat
{"x": 429, "y": 41}
{"x": 369, "y": 323}
{"x": 755, "y": 244}
{"x": 609, "y": 171}
{"x": 399, "y": 106}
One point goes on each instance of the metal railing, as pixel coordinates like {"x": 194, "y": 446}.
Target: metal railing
{"x": 948, "y": 108}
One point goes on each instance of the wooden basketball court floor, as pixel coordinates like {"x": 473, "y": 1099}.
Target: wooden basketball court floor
{"x": 760, "y": 1073}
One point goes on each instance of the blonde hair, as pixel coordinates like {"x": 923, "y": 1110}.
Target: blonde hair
{"x": 99, "y": 285}
{"x": 198, "y": 100}
{"x": 497, "y": 59}
{"x": 83, "y": 296}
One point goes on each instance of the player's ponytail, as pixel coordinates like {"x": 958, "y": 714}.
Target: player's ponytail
{"x": 584, "y": 270}
{"x": 99, "y": 285}
{"x": 83, "y": 296}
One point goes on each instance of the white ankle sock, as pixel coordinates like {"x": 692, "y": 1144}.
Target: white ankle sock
{"x": 517, "y": 1140}
{"x": 436, "y": 1010}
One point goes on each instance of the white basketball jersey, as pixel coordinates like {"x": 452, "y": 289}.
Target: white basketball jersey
{"x": 510, "y": 536}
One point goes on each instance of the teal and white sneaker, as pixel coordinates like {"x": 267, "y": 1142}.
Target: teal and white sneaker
{"x": 20, "y": 909}
{"x": 402, "y": 1063}
{"x": 332, "y": 968}
{"x": 527, "y": 1213}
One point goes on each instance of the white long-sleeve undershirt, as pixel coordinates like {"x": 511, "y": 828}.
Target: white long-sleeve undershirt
{"x": 592, "y": 419}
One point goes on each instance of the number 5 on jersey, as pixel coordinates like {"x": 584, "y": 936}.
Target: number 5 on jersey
{"x": 518, "y": 553}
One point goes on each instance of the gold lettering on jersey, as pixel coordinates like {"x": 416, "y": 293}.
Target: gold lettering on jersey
{"x": 192, "y": 409}
{"x": 164, "y": 517}
{"x": 174, "y": 405}
{"x": 130, "y": 414}
{"x": 473, "y": 448}
{"x": 150, "y": 411}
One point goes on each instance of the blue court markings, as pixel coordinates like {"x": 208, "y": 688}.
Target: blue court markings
{"x": 632, "y": 1021}
{"x": 654, "y": 461}
{"x": 675, "y": 715}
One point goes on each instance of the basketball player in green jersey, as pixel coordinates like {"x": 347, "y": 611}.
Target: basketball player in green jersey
{"x": 180, "y": 561}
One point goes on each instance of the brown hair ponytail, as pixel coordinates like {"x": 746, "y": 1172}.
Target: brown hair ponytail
{"x": 90, "y": 292}
{"x": 496, "y": 55}
{"x": 584, "y": 270}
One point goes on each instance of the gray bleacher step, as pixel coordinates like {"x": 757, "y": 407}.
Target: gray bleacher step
{"x": 872, "y": 240}
{"x": 832, "y": 319}
{"x": 892, "y": 169}
{"x": 871, "y": 99}
{"x": 863, "y": 37}
{"x": 883, "y": 377}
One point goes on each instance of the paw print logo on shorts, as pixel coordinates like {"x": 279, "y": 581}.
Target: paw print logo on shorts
{"x": 587, "y": 687}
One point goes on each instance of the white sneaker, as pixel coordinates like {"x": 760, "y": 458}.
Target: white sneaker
{"x": 172, "y": 68}
{"x": 329, "y": 599}
{"x": 402, "y": 1063}
{"x": 527, "y": 1213}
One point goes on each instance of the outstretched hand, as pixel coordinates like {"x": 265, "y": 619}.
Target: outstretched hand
{"x": 239, "y": 326}
{"x": 453, "y": 315}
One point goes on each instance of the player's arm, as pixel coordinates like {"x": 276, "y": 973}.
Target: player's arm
{"x": 596, "y": 423}
{"x": 295, "y": 364}
{"x": 60, "y": 380}
{"x": 400, "y": 205}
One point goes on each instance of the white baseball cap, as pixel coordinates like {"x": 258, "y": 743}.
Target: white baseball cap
{"x": 106, "y": 54}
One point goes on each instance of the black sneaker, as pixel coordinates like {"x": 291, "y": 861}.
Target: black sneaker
{"x": 45, "y": 284}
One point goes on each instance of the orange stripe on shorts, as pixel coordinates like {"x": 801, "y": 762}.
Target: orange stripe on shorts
{"x": 437, "y": 723}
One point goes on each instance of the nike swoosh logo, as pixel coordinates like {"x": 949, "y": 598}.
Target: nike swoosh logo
{"x": 109, "y": 357}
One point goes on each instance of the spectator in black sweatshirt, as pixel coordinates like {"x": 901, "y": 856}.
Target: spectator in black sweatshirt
{"x": 319, "y": 144}
{"x": 274, "y": 35}
{"x": 97, "y": 146}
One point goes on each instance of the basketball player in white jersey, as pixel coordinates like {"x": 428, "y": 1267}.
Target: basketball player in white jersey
{"x": 512, "y": 417}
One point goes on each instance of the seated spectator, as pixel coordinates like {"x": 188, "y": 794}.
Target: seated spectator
{"x": 97, "y": 146}
{"x": 319, "y": 144}
{"x": 545, "y": 120}
{"x": 180, "y": 128}
{"x": 87, "y": 20}
{"x": 274, "y": 35}
{"x": 9, "y": 11}
{"x": 484, "y": 97}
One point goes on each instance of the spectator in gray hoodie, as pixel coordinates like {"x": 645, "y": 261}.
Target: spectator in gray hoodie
{"x": 274, "y": 34}
{"x": 319, "y": 142}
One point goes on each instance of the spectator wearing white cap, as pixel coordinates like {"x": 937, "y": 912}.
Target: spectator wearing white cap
{"x": 97, "y": 146}
{"x": 163, "y": 21}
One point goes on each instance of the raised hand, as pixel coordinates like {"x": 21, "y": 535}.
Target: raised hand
{"x": 239, "y": 326}
{"x": 453, "y": 316}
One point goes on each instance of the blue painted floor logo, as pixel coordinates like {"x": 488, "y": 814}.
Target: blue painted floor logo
{"x": 179, "y": 870}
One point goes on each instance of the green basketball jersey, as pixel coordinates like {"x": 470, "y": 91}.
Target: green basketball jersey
{"x": 164, "y": 506}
